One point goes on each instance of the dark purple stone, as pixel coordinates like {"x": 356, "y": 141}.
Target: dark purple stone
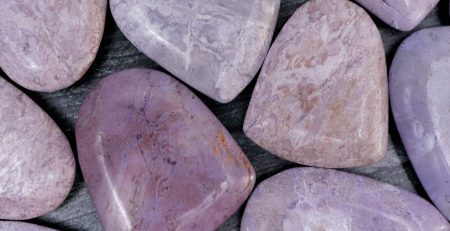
{"x": 155, "y": 158}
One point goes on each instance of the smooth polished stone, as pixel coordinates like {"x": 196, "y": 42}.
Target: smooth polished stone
{"x": 325, "y": 199}
{"x": 321, "y": 97}
{"x": 48, "y": 45}
{"x": 20, "y": 226}
{"x": 37, "y": 167}
{"x": 155, "y": 158}
{"x": 403, "y": 15}
{"x": 215, "y": 46}
{"x": 420, "y": 98}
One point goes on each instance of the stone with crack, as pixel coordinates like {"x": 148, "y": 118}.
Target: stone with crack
{"x": 403, "y": 15}
{"x": 155, "y": 158}
{"x": 215, "y": 46}
{"x": 321, "y": 98}
{"x": 325, "y": 199}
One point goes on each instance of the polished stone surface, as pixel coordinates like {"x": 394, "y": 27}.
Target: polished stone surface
{"x": 403, "y": 15}
{"x": 215, "y": 46}
{"x": 37, "y": 167}
{"x": 155, "y": 158}
{"x": 325, "y": 199}
{"x": 420, "y": 98}
{"x": 48, "y": 45}
{"x": 116, "y": 53}
{"x": 321, "y": 97}
{"x": 21, "y": 226}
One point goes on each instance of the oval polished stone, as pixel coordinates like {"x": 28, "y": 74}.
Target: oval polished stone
{"x": 155, "y": 158}
{"x": 325, "y": 199}
{"x": 49, "y": 45}
{"x": 321, "y": 98}
{"x": 37, "y": 167}
{"x": 420, "y": 98}
{"x": 20, "y": 226}
{"x": 403, "y": 15}
{"x": 215, "y": 46}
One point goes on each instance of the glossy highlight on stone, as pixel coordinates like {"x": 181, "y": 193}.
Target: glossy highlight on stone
{"x": 37, "y": 167}
{"x": 215, "y": 46}
{"x": 325, "y": 199}
{"x": 20, "y": 226}
{"x": 49, "y": 45}
{"x": 420, "y": 99}
{"x": 403, "y": 15}
{"x": 155, "y": 158}
{"x": 321, "y": 97}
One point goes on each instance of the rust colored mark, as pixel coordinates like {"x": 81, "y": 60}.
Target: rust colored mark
{"x": 222, "y": 139}
{"x": 223, "y": 142}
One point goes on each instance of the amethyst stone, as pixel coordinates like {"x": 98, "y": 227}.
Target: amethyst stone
{"x": 215, "y": 46}
{"x": 403, "y": 15}
{"x": 49, "y": 45}
{"x": 155, "y": 158}
{"x": 420, "y": 97}
{"x": 325, "y": 199}
{"x": 37, "y": 167}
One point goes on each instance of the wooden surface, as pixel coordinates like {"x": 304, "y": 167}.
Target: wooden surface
{"x": 117, "y": 53}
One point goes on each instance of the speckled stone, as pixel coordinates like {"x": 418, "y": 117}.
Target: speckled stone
{"x": 48, "y": 45}
{"x": 420, "y": 97}
{"x": 321, "y": 98}
{"x": 155, "y": 158}
{"x": 215, "y": 46}
{"x": 325, "y": 199}
{"x": 20, "y": 226}
{"x": 37, "y": 167}
{"x": 403, "y": 15}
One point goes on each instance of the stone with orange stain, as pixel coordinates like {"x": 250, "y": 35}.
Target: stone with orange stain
{"x": 155, "y": 158}
{"x": 321, "y": 98}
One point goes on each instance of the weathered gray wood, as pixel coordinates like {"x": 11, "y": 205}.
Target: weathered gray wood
{"x": 117, "y": 53}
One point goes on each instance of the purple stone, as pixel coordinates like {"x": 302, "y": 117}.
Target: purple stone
{"x": 155, "y": 158}
{"x": 20, "y": 226}
{"x": 420, "y": 98}
{"x": 325, "y": 199}
{"x": 215, "y": 46}
{"x": 403, "y": 15}
{"x": 321, "y": 98}
{"x": 49, "y": 45}
{"x": 37, "y": 167}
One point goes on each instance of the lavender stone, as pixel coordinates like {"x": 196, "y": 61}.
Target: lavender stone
{"x": 155, "y": 158}
{"x": 37, "y": 168}
{"x": 20, "y": 226}
{"x": 325, "y": 199}
{"x": 215, "y": 46}
{"x": 403, "y": 15}
{"x": 49, "y": 45}
{"x": 321, "y": 98}
{"x": 420, "y": 97}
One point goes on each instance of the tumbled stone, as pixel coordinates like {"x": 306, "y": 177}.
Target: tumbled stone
{"x": 215, "y": 46}
{"x": 49, "y": 45}
{"x": 155, "y": 158}
{"x": 20, "y": 226}
{"x": 403, "y": 15}
{"x": 420, "y": 98}
{"x": 325, "y": 199}
{"x": 321, "y": 98}
{"x": 37, "y": 167}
